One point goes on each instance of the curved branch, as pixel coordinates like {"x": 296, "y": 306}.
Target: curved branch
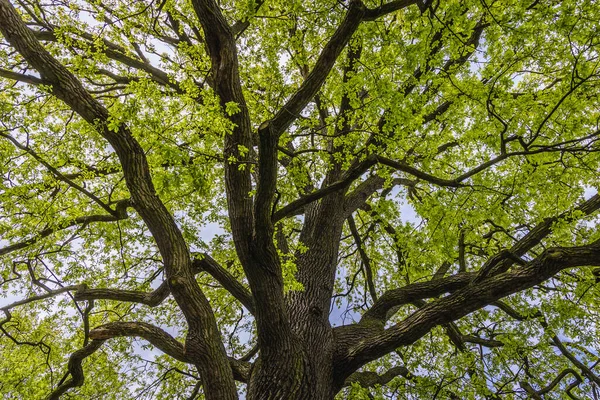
{"x": 537, "y": 394}
{"x": 415, "y": 291}
{"x": 370, "y": 379}
{"x": 157, "y": 296}
{"x": 349, "y": 177}
{"x": 461, "y": 303}
{"x": 162, "y": 341}
{"x": 156, "y": 336}
{"x": 574, "y": 360}
{"x": 75, "y": 369}
{"x": 151, "y": 299}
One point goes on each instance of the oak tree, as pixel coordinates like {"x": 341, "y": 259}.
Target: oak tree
{"x": 299, "y": 199}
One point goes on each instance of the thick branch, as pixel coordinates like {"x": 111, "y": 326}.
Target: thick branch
{"x": 370, "y": 379}
{"x": 359, "y": 196}
{"x": 313, "y": 82}
{"x": 203, "y": 338}
{"x": 162, "y": 341}
{"x": 156, "y": 336}
{"x": 228, "y": 281}
{"x": 416, "y": 291}
{"x": 466, "y": 300}
{"x": 151, "y": 299}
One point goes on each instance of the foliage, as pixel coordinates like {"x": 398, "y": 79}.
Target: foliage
{"x": 375, "y": 199}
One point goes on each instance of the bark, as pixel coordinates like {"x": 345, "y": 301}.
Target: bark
{"x": 300, "y": 355}
{"x": 203, "y": 341}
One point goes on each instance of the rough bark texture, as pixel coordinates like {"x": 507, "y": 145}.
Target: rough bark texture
{"x": 300, "y": 355}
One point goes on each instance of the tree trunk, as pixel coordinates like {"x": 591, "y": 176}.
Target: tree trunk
{"x": 305, "y": 370}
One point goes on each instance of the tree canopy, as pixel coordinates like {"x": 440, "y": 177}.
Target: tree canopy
{"x": 352, "y": 199}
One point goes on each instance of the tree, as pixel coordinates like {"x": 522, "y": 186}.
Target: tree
{"x": 300, "y": 200}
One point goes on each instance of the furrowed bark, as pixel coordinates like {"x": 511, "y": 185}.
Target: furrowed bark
{"x": 264, "y": 273}
{"x": 280, "y": 371}
{"x": 203, "y": 341}
{"x": 373, "y": 343}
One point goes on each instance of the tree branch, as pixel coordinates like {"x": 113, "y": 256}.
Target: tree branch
{"x": 206, "y": 263}
{"x": 207, "y": 348}
{"x": 57, "y": 174}
{"x": 75, "y": 369}
{"x": 462, "y": 302}
{"x": 115, "y": 53}
{"x": 481, "y": 341}
{"x": 573, "y": 359}
{"x": 415, "y": 291}
{"x": 151, "y": 299}
{"x": 555, "y": 340}
{"x": 156, "y": 336}
{"x": 354, "y": 173}
{"x": 503, "y": 260}
{"x": 358, "y": 197}
{"x": 120, "y": 213}
{"x": 537, "y": 394}
{"x": 315, "y": 79}
{"x": 372, "y": 14}
{"x": 364, "y": 257}
{"x": 370, "y": 379}
{"x": 47, "y": 295}
{"x": 156, "y": 297}
{"x": 20, "y": 77}
{"x": 162, "y": 341}
{"x": 240, "y": 26}
{"x": 251, "y": 225}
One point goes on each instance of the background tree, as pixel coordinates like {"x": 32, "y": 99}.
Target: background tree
{"x": 298, "y": 200}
